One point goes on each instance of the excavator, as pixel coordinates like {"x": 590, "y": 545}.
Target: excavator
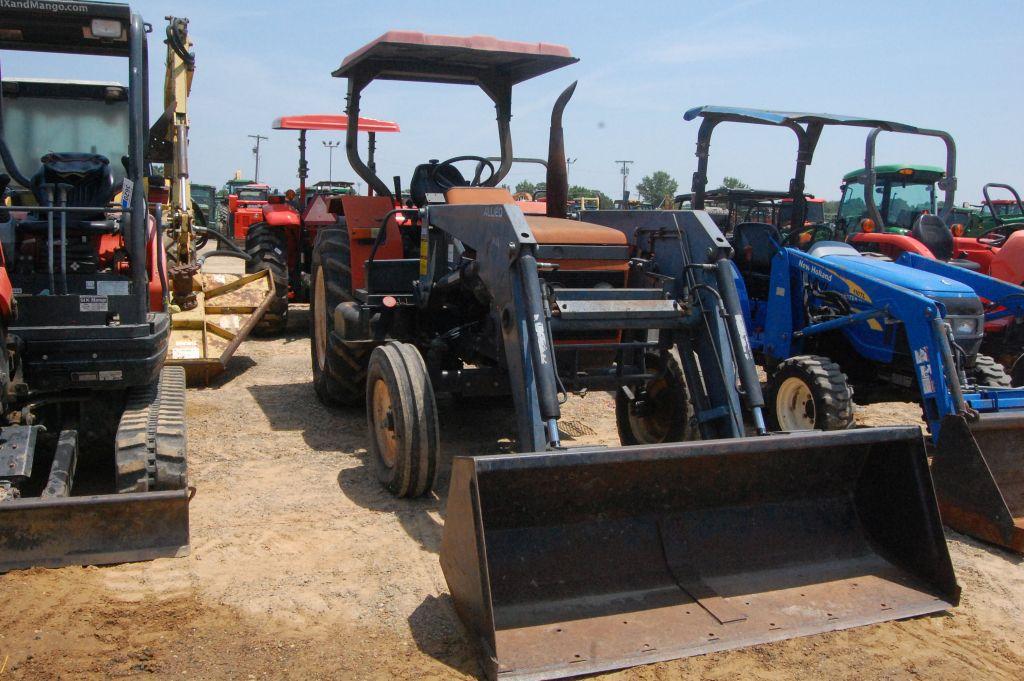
{"x": 93, "y": 449}
{"x": 565, "y": 561}
{"x": 211, "y": 313}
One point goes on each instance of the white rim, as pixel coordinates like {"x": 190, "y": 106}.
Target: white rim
{"x": 320, "y": 319}
{"x": 794, "y": 405}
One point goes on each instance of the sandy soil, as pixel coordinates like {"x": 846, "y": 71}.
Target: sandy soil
{"x": 301, "y": 567}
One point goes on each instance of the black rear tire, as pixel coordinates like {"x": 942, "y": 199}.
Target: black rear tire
{"x": 661, "y": 413}
{"x": 268, "y": 248}
{"x": 402, "y": 418}
{"x": 988, "y": 373}
{"x": 809, "y": 392}
{"x": 339, "y": 371}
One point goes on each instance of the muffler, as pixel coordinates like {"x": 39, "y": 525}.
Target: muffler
{"x": 978, "y": 469}
{"x": 580, "y": 561}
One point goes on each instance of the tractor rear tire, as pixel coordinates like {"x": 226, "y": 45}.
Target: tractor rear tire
{"x": 809, "y": 392}
{"x": 988, "y": 373}
{"x": 268, "y": 250}
{"x": 402, "y": 417}
{"x": 662, "y": 415}
{"x": 339, "y": 371}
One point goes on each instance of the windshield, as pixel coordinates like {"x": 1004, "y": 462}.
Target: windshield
{"x": 905, "y": 202}
{"x": 1007, "y": 209}
{"x": 202, "y": 195}
{"x": 252, "y": 194}
{"x": 851, "y": 207}
{"x": 74, "y": 120}
{"x": 815, "y": 213}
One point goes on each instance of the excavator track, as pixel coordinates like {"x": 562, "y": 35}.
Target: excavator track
{"x": 150, "y": 446}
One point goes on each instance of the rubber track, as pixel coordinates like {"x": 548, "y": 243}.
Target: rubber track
{"x": 150, "y": 445}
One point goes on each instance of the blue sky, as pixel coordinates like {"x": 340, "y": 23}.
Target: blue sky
{"x": 944, "y": 65}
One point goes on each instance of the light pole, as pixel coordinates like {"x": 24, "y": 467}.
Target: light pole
{"x": 331, "y": 146}
{"x": 568, "y": 163}
{"x": 625, "y": 176}
{"x": 256, "y": 151}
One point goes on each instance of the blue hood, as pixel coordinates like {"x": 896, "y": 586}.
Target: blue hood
{"x": 925, "y": 283}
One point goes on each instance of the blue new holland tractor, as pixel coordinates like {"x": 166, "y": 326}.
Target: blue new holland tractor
{"x": 829, "y": 322}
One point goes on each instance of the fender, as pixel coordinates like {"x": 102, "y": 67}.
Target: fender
{"x": 1008, "y": 260}
{"x": 6, "y": 295}
{"x": 280, "y": 215}
{"x": 892, "y": 245}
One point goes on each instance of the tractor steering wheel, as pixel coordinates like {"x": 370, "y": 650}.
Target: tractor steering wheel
{"x": 996, "y": 236}
{"x": 444, "y": 183}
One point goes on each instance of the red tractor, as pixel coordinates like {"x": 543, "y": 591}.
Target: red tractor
{"x": 282, "y": 234}
{"x": 245, "y": 208}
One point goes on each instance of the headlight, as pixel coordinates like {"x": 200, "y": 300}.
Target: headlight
{"x": 965, "y": 327}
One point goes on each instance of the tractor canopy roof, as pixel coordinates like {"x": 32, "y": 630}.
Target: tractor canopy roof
{"x": 909, "y": 171}
{"x": 467, "y": 60}
{"x": 72, "y": 27}
{"x": 787, "y": 118}
{"x": 332, "y": 122}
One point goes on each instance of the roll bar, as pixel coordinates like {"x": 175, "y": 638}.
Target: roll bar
{"x": 808, "y": 127}
{"x": 492, "y": 65}
{"x": 947, "y": 183}
{"x": 991, "y": 207}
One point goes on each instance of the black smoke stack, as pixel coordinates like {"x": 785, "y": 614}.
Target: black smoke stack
{"x": 557, "y": 189}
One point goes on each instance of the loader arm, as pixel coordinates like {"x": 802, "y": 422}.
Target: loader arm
{"x": 506, "y": 259}
{"x": 1008, "y": 297}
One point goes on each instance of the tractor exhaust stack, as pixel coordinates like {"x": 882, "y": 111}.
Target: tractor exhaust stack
{"x": 581, "y": 561}
{"x": 557, "y": 187}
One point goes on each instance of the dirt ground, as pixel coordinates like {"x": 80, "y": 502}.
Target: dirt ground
{"x": 302, "y": 567}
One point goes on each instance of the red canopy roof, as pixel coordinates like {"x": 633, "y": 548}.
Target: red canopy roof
{"x": 331, "y": 122}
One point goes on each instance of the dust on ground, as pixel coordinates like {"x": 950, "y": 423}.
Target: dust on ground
{"x": 302, "y": 567}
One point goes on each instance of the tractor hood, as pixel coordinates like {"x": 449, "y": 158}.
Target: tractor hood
{"x": 925, "y": 283}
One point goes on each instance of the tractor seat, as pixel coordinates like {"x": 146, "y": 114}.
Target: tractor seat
{"x": 931, "y": 231}
{"x": 91, "y": 183}
{"x": 443, "y": 179}
{"x": 756, "y": 243}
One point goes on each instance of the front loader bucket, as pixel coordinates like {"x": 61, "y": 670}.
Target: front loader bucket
{"x": 978, "y": 470}
{"x": 93, "y": 530}
{"x": 567, "y": 563}
{"x": 204, "y": 338}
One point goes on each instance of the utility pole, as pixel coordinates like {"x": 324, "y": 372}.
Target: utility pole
{"x": 256, "y": 151}
{"x": 568, "y": 162}
{"x": 625, "y": 177}
{"x": 331, "y": 146}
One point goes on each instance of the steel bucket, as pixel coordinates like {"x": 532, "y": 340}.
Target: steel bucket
{"x": 567, "y": 563}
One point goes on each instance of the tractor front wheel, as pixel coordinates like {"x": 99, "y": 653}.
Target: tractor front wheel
{"x": 809, "y": 393}
{"x": 660, "y": 412}
{"x": 988, "y": 373}
{"x": 268, "y": 250}
{"x": 402, "y": 418}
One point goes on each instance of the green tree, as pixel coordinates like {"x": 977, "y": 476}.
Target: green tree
{"x": 531, "y": 187}
{"x": 577, "y": 191}
{"x": 729, "y": 182}
{"x": 656, "y": 187}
